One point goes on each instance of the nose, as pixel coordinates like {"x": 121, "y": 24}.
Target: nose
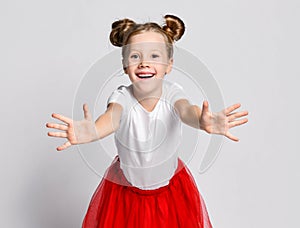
{"x": 144, "y": 63}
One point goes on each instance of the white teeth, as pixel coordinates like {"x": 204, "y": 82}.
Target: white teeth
{"x": 145, "y": 75}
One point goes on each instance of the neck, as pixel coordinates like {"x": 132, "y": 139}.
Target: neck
{"x": 149, "y": 98}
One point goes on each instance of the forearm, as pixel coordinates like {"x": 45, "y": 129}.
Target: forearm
{"x": 108, "y": 122}
{"x": 104, "y": 126}
{"x": 189, "y": 114}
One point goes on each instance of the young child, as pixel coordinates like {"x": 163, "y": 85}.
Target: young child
{"x": 147, "y": 184}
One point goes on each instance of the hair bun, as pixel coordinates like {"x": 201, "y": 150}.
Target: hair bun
{"x": 119, "y": 31}
{"x": 174, "y": 27}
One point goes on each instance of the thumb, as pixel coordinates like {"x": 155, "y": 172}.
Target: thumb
{"x": 205, "y": 106}
{"x": 87, "y": 114}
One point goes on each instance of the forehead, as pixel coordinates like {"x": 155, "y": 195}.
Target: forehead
{"x": 147, "y": 41}
{"x": 146, "y": 47}
{"x": 147, "y": 37}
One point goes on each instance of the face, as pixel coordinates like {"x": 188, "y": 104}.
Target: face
{"x": 146, "y": 58}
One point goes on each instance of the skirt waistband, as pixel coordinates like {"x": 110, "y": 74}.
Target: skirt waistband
{"x": 116, "y": 176}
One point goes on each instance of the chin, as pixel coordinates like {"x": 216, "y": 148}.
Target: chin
{"x": 148, "y": 87}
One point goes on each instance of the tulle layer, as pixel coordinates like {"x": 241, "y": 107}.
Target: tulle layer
{"x": 179, "y": 204}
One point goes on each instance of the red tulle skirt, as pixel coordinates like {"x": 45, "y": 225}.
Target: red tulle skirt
{"x": 178, "y": 204}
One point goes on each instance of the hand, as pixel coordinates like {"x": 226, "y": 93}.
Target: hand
{"x": 76, "y": 132}
{"x": 221, "y": 122}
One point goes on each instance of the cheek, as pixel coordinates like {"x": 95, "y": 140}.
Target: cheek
{"x": 130, "y": 71}
{"x": 162, "y": 67}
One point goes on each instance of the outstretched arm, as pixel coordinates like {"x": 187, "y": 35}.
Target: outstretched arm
{"x": 109, "y": 122}
{"x": 86, "y": 130}
{"x": 213, "y": 123}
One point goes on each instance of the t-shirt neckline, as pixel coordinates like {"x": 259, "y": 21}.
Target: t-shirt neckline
{"x": 141, "y": 106}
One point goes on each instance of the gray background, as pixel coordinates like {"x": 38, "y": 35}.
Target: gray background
{"x": 251, "y": 48}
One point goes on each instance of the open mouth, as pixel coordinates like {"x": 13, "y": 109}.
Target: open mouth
{"x": 144, "y": 76}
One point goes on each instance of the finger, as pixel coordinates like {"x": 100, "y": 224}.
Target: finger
{"x": 87, "y": 114}
{"x": 57, "y": 126}
{"x": 232, "y": 108}
{"x": 64, "y": 146}
{"x": 58, "y": 134}
{"x": 236, "y": 115}
{"x": 62, "y": 118}
{"x": 231, "y": 136}
{"x": 238, "y": 122}
{"x": 205, "y": 106}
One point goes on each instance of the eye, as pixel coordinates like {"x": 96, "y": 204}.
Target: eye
{"x": 134, "y": 56}
{"x": 155, "y": 56}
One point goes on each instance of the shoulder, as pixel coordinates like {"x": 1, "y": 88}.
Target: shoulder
{"x": 120, "y": 95}
{"x": 173, "y": 92}
{"x": 169, "y": 85}
{"x": 123, "y": 89}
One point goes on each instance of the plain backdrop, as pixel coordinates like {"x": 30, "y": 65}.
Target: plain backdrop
{"x": 251, "y": 48}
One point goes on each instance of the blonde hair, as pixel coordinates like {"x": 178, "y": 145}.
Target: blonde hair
{"x": 172, "y": 30}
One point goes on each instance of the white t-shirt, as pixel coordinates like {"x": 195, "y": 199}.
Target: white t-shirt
{"x": 147, "y": 142}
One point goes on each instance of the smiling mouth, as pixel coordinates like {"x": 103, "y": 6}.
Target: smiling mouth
{"x": 145, "y": 75}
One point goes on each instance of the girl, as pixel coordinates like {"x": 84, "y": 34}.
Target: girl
{"x": 147, "y": 184}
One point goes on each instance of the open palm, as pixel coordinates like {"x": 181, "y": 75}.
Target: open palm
{"x": 76, "y": 132}
{"x": 221, "y": 122}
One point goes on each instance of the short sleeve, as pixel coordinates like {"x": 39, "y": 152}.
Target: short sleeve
{"x": 175, "y": 92}
{"x": 118, "y": 96}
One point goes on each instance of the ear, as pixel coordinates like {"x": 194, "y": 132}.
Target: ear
{"x": 170, "y": 66}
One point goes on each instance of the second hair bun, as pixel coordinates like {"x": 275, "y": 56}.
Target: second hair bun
{"x": 174, "y": 27}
